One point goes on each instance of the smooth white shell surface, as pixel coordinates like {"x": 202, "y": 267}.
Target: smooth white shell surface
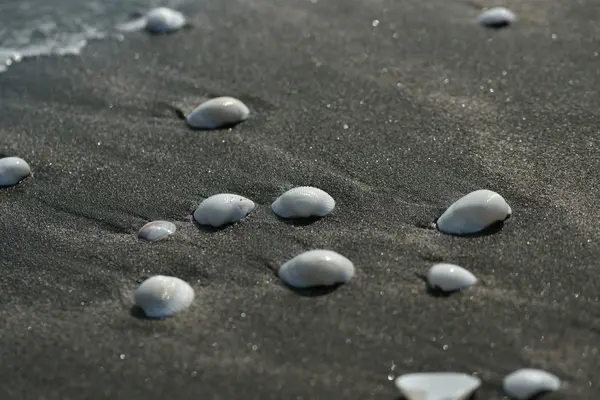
{"x": 496, "y": 17}
{"x": 161, "y": 296}
{"x": 156, "y": 230}
{"x": 218, "y": 112}
{"x": 527, "y": 382}
{"x": 303, "y": 202}
{"x": 450, "y": 277}
{"x": 13, "y": 170}
{"x": 222, "y": 209}
{"x": 437, "y": 386}
{"x": 316, "y": 268}
{"x": 164, "y": 20}
{"x": 473, "y": 213}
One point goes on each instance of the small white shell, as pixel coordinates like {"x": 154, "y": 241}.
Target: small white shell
{"x": 303, "y": 202}
{"x": 437, "y": 386}
{"x": 527, "y": 382}
{"x": 222, "y": 209}
{"x": 496, "y": 17}
{"x": 316, "y": 268}
{"x": 218, "y": 112}
{"x": 473, "y": 213}
{"x": 450, "y": 277}
{"x": 156, "y": 230}
{"x": 161, "y": 296}
{"x": 13, "y": 170}
{"x": 164, "y": 20}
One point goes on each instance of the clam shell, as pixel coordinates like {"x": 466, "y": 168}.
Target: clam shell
{"x": 13, "y": 170}
{"x": 222, "y": 209}
{"x": 450, "y": 277}
{"x": 473, "y": 213}
{"x": 303, "y": 202}
{"x": 164, "y": 20}
{"x": 218, "y": 112}
{"x": 437, "y": 386}
{"x": 162, "y": 296}
{"x": 527, "y": 382}
{"x": 496, "y": 17}
{"x": 316, "y": 268}
{"x": 156, "y": 230}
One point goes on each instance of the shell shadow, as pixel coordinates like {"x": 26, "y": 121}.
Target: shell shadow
{"x": 471, "y": 397}
{"x": 316, "y": 291}
{"x": 434, "y": 291}
{"x": 299, "y": 221}
{"x": 220, "y": 128}
{"x": 211, "y": 229}
{"x": 138, "y": 313}
{"x": 540, "y": 395}
{"x": 497, "y": 25}
{"x": 490, "y": 230}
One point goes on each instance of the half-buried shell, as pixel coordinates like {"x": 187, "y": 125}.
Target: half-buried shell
{"x": 316, "y": 268}
{"x": 303, "y": 202}
{"x": 474, "y": 213}
{"x": 161, "y": 296}
{"x": 222, "y": 209}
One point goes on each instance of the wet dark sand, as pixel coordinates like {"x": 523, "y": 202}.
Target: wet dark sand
{"x": 109, "y": 156}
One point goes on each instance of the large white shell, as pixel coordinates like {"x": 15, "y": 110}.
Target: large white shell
{"x": 164, "y": 20}
{"x": 450, "y": 277}
{"x": 161, "y": 296}
{"x": 473, "y": 213}
{"x": 156, "y": 230}
{"x": 527, "y": 382}
{"x": 303, "y": 202}
{"x": 222, "y": 209}
{"x": 496, "y": 17}
{"x": 13, "y": 170}
{"x": 437, "y": 386}
{"x": 317, "y": 268}
{"x": 218, "y": 112}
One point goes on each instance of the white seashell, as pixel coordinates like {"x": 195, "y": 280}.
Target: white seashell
{"x": 303, "y": 202}
{"x": 156, "y": 230}
{"x": 450, "y": 277}
{"x": 218, "y": 112}
{"x": 316, "y": 268}
{"x": 13, "y": 170}
{"x": 164, "y": 20}
{"x": 222, "y": 209}
{"x": 473, "y": 213}
{"x": 526, "y": 383}
{"x": 437, "y": 386}
{"x": 161, "y": 296}
{"x": 496, "y": 17}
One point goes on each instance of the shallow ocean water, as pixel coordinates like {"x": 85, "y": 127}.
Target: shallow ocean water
{"x": 32, "y": 28}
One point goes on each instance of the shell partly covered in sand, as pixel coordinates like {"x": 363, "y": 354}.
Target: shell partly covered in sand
{"x": 13, "y": 170}
{"x": 161, "y": 296}
{"x": 164, "y": 20}
{"x": 156, "y": 230}
{"x": 222, "y": 209}
{"x": 437, "y": 386}
{"x": 316, "y": 268}
{"x": 303, "y": 202}
{"x": 496, "y": 17}
{"x": 218, "y": 112}
{"x": 525, "y": 383}
{"x": 450, "y": 277}
{"x": 473, "y": 213}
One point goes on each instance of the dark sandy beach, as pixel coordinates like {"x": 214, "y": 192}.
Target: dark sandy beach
{"x": 395, "y": 121}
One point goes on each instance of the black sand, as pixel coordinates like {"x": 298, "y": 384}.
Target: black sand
{"x": 109, "y": 155}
